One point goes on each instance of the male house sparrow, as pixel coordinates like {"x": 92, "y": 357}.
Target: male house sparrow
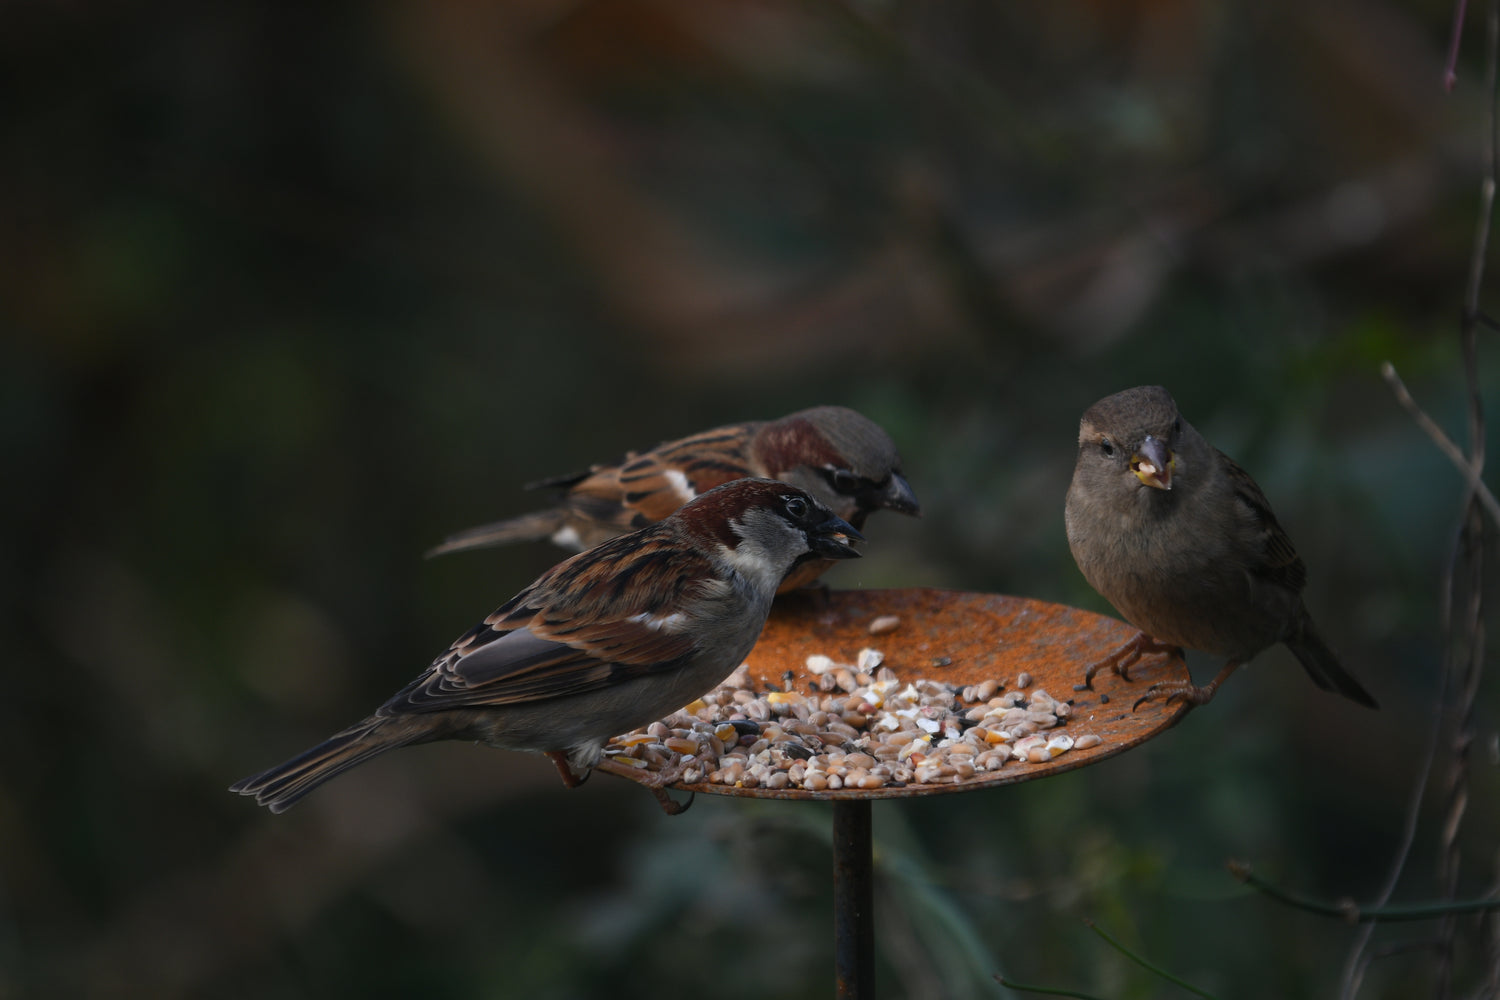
{"x": 605, "y": 641}
{"x": 837, "y": 455}
{"x": 1180, "y": 539}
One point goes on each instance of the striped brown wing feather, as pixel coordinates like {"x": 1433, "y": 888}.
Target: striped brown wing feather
{"x": 591, "y": 621}
{"x": 647, "y": 487}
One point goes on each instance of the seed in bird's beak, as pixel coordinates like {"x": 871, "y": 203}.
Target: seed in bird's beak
{"x": 1153, "y": 464}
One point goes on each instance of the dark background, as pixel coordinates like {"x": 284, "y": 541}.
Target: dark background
{"x": 288, "y": 294}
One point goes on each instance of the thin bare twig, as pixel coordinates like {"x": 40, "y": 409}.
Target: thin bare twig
{"x": 1464, "y": 645}
{"x": 1155, "y": 970}
{"x": 1356, "y": 963}
{"x": 1356, "y": 914}
{"x": 1442, "y": 440}
{"x": 1463, "y": 580}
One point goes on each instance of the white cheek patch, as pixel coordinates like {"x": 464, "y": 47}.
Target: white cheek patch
{"x": 748, "y": 560}
{"x": 767, "y": 548}
{"x": 751, "y": 562}
{"x": 679, "y": 485}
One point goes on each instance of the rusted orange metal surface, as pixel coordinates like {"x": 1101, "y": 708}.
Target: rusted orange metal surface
{"x": 963, "y": 638}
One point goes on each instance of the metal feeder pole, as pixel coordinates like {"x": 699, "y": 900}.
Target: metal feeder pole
{"x": 853, "y": 900}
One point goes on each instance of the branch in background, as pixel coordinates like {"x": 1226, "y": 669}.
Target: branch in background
{"x": 1138, "y": 960}
{"x": 1463, "y": 641}
{"x": 1352, "y": 912}
{"x": 1044, "y": 990}
{"x": 1155, "y": 970}
{"x": 1443, "y": 441}
{"x": 1464, "y": 645}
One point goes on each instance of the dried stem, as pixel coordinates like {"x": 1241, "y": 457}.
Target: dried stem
{"x": 1357, "y": 962}
{"x": 1050, "y": 991}
{"x": 1352, "y": 912}
{"x": 1465, "y": 641}
{"x": 1463, "y": 636}
{"x": 1443, "y": 441}
{"x": 1149, "y": 967}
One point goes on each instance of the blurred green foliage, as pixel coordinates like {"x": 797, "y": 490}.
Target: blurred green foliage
{"x": 290, "y": 293}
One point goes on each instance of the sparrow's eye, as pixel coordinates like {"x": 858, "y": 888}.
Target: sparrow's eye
{"x": 796, "y": 507}
{"x": 1108, "y": 447}
{"x": 1177, "y": 426}
{"x": 844, "y": 482}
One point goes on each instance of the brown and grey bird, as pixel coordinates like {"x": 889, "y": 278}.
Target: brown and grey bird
{"x": 604, "y": 642}
{"x": 835, "y": 454}
{"x": 1183, "y": 543}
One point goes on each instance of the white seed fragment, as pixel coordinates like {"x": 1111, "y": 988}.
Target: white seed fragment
{"x": 1022, "y": 748}
{"x": 819, "y": 664}
{"x": 1087, "y": 740}
{"x": 885, "y": 624}
{"x": 1023, "y": 680}
{"x": 869, "y": 659}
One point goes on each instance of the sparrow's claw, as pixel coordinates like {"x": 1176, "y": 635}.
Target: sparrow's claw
{"x": 669, "y": 805}
{"x": 560, "y": 761}
{"x": 1126, "y": 656}
{"x": 657, "y": 783}
{"x": 1190, "y": 694}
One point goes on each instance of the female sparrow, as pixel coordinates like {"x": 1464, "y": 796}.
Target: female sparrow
{"x": 605, "y": 641}
{"x": 835, "y": 454}
{"x": 1180, "y": 539}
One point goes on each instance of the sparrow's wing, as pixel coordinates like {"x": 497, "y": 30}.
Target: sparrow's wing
{"x": 1279, "y": 561}
{"x": 611, "y": 614}
{"x": 647, "y": 487}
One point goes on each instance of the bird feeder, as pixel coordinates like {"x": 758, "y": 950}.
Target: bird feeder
{"x": 1024, "y": 656}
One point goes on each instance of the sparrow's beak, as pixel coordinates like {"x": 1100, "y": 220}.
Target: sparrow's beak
{"x": 831, "y": 539}
{"x": 1152, "y": 465}
{"x": 898, "y": 496}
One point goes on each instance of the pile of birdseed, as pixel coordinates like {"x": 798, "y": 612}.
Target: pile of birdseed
{"x": 856, "y": 725}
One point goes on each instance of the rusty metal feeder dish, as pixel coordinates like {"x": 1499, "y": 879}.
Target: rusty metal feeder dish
{"x": 959, "y": 639}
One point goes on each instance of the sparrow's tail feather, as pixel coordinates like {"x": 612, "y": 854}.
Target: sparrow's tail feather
{"x": 1324, "y": 666}
{"x": 533, "y": 527}
{"x": 282, "y": 786}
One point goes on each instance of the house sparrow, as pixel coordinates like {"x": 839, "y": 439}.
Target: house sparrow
{"x": 840, "y": 457}
{"x": 1180, "y": 539}
{"x": 605, "y": 641}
